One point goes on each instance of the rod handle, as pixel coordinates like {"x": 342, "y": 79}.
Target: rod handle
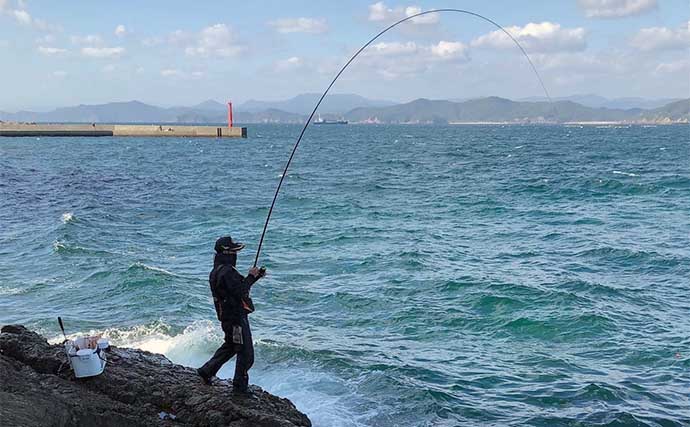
{"x": 62, "y": 326}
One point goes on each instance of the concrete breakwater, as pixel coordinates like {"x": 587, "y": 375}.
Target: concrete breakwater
{"x": 24, "y": 129}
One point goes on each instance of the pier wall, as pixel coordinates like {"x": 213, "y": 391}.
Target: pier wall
{"x": 22, "y": 129}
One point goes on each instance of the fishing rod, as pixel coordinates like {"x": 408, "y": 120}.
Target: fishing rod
{"x": 347, "y": 64}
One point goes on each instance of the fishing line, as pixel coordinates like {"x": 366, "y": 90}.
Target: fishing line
{"x": 361, "y": 49}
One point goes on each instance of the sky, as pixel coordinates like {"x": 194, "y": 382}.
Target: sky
{"x": 174, "y": 52}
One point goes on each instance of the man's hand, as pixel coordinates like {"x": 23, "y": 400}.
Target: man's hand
{"x": 254, "y": 271}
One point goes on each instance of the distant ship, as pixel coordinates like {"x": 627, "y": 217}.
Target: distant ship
{"x": 321, "y": 121}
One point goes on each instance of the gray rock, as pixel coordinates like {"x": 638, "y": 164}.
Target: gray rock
{"x": 37, "y": 388}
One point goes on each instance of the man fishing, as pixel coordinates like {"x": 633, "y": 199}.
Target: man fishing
{"x": 231, "y": 299}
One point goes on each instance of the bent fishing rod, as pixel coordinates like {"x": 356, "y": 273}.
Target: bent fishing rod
{"x": 347, "y": 64}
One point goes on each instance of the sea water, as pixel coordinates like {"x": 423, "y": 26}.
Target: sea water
{"x": 418, "y": 275}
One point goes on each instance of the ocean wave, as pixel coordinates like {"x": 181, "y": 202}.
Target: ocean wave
{"x": 189, "y": 347}
{"x": 289, "y": 371}
{"x": 592, "y": 289}
{"x": 559, "y": 329}
{"x": 140, "y": 266}
{"x": 614, "y": 186}
{"x": 624, "y": 257}
{"x": 606, "y": 418}
{"x": 65, "y": 248}
{"x": 625, "y": 173}
{"x": 496, "y": 304}
{"x": 62, "y": 247}
{"x": 9, "y": 291}
{"x": 67, "y": 217}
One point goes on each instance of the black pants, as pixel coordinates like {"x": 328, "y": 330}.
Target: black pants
{"x": 244, "y": 352}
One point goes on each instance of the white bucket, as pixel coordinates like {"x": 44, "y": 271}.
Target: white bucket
{"x": 85, "y": 362}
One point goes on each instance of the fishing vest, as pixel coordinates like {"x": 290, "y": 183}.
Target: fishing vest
{"x": 229, "y": 307}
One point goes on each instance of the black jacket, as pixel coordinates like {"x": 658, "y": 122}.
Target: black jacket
{"x": 231, "y": 293}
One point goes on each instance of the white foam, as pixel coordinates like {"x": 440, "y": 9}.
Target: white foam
{"x": 327, "y": 399}
{"x": 67, "y": 217}
{"x": 624, "y": 173}
{"x": 57, "y": 245}
{"x": 10, "y": 291}
{"x": 152, "y": 268}
{"x": 189, "y": 348}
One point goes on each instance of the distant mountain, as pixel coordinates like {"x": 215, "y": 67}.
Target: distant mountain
{"x": 116, "y": 112}
{"x": 596, "y": 101}
{"x": 211, "y": 105}
{"x": 673, "y": 112}
{"x": 304, "y": 104}
{"x": 494, "y": 109}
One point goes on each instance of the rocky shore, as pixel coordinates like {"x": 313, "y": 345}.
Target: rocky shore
{"x": 138, "y": 388}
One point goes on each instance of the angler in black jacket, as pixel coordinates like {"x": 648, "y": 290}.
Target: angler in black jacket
{"x": 232, "y": 302}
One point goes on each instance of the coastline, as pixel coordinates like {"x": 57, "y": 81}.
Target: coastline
{"x": 137, "y": 388}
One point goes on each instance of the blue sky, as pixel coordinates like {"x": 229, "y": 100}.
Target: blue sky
{"x": 179, "y": 52}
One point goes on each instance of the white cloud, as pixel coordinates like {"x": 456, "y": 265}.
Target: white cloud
{"x": 662, "y": 38}
{"x": 616, "y": 8}
{"x": 179, "y": 74}
{"x": 449, "y": 50}
{"x": 300, "y": 25}
{"x": 91, "y": 39}
{"x": 443, "y": 50}
{"x": 429, "y": 18}
{"x": 171, "y": 73}
{"x": 59, "y": 74}
{"x": 379, "y": 12}
{"x": 392, "y": 60}
{"x": 673, "y": 67}
{"x": 121, "y": 31}
{"x": 216, "y": 40}
{"x": 103, "y": 52}
{"x": 537, "y": 38}
{"x": 50, "y": 51}
{"x": 289, "y": 64}
{"x": 392, "y": 48}
{"x": 22, "y": 17}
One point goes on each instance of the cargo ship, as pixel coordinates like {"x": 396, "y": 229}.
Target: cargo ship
{"x": 321, "y": 121}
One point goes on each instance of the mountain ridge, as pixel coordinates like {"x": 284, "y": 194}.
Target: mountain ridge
{"x": 422, "y": 110}
{"x": 502, "y": 110}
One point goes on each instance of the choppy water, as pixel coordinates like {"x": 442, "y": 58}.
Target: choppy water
{"x": 419, "y": 276}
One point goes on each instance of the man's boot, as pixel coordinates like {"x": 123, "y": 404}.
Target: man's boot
{"x": 204, "y": 376}
{"x": 241, "y": 384}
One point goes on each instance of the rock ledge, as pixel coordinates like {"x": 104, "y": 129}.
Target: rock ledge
{"x": 138, "y": 388}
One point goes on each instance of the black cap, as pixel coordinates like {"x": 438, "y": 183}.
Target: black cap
{"x": 225, "y": 245}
